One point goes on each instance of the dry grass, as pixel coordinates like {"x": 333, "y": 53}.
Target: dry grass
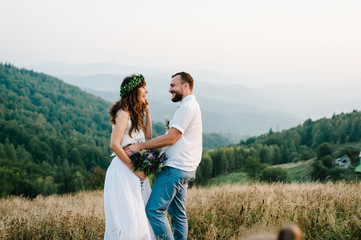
{"x": 322, "y": 211}
{"x": 79, "y": 216}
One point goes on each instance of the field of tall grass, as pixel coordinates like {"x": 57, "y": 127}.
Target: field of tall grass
{"x": 322, "y": 211}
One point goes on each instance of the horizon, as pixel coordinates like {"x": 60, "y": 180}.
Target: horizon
{"x": 231, "y": 80}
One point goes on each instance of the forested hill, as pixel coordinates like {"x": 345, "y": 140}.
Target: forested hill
{"x": 339, "y": 135}
{"x": 54, "y": 137}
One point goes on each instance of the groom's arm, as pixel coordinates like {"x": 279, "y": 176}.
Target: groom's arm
{"x": 158, "y": 142}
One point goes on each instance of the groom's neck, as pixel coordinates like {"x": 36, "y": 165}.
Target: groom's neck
{"x": 187, "y": 94}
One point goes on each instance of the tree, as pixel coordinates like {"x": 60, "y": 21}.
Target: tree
{"x": 253, "y": 167}
{"x": 323, "y": 150}
{"x": 75, "y": 157}
{"x": 206, "y": 167}
{"x": 219, "y": 165}
{"x": 77, "y": 182}
{"x": 45, "y": 186}
{"x": 96, "y": 178}
{"x": 338, "y": 173}
{"x": 10, "y": 151}
{"x": 319, "y": 171}
{"x": 327, "y": 161}
{"x": 351, "y": 151}
{"x": 277, "y": 156}
{"x": 265, "y": 154}
{"x": 318, "y": 136}
{"x": 230, "y": 156}
{"x": 276, "y": 174}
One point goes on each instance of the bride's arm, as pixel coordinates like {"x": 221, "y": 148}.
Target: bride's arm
{"x": 121, "y": 122}
{"x": 148, "y": 123}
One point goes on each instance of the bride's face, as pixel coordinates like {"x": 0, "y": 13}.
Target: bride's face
{"x": 142, "y": 94}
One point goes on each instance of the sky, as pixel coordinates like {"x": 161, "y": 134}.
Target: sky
{"x": 256, "y": 42}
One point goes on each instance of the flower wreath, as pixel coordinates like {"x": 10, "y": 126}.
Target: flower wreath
{"x": 132, "y": 84}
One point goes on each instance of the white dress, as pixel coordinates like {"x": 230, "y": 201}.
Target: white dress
{"x": 125, "y": 197}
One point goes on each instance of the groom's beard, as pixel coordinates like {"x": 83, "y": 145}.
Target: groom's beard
{"x": 177, "y": 97}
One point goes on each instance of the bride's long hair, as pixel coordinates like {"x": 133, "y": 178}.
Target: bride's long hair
{"x": 130, "y": 103}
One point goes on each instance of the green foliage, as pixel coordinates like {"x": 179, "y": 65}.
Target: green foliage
{"x": 52, "y": 135}
{"x": 254, "y": 167}
{"x": 319, "y": 171}
{"x": 96, "y": 178}
{"x": 321, "y": 137}
{"x": 323, "y": 168}
{"x": 338, "y": 173}
{"x": 323, "y": 150}
{"x": 327, "y": 161}
{"x": 204, "y": 171}
{"x": 323, "y": 163}
{"x": 276, "y": 174}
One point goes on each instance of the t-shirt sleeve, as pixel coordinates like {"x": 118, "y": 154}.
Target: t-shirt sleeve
{"x": 182, "y": 118}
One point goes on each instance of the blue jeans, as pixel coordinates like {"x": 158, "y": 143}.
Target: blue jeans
{"x": 169, "y": 193}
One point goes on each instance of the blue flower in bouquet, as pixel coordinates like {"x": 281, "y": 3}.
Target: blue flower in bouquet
{"x": 149, "y": 161}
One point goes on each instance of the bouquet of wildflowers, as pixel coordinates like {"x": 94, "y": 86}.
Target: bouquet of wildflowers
{"x": 148, "y": 161}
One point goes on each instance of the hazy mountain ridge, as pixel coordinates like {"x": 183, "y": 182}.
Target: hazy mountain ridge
{"x": 227, "y": 106}
{"x": 223, "y": 110}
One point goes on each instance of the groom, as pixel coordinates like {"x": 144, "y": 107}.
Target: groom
{"x": 183, "y": 147}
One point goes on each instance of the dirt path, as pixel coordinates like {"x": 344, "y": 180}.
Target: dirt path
{"x": 292, "y": 165}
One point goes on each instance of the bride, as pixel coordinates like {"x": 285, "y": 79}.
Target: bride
{"x": 126, "y": 192}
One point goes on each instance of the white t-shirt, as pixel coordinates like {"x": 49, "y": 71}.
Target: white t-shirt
{"x": 186, "y": 152}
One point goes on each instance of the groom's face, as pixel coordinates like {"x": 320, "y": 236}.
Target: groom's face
{"x": 176, "y": 88}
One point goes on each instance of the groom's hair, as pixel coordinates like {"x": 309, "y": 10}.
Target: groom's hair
{"x": 186, "y": 77}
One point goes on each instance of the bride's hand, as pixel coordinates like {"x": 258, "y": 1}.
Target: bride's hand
{"x": 141, "y": 175}
{"x": 146, "y": 104}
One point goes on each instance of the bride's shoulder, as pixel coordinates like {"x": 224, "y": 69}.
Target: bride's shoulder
{"x": 122, "y": 114}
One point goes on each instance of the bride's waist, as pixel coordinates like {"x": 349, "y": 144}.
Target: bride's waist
{"x": 123, "y": 146}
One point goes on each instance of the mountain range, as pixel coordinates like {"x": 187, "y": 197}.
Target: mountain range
{"x": 227, "y": 106}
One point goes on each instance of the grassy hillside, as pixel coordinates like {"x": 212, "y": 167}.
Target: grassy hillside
{"x": 322, "y": 211}
{"x": 341, "y": 134}
{"x": 231, "y": 178}
{"x": 297, "y": 172}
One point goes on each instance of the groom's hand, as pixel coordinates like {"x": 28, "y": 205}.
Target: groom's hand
{"x": 129, "y": 150}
